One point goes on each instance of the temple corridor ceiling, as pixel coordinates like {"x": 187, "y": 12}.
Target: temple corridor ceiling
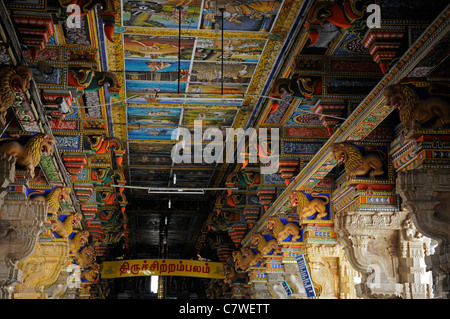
{"x": 134, "y": 78}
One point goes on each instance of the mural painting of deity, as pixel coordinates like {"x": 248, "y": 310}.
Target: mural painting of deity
{"x": 247, "y": 15}
{"x": 161, "y": 13}
{"x": 234, "y": 50}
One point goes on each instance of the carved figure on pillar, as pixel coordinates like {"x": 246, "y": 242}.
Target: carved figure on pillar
{"x": 283, "y": 231}
{"x": 355, "y": 163}
{"x": 341, "y": 16}
{"x": 80, "y": 239}
{"x": 306, "y": 208}
{"x": 416, "y": 113}
{"x": 54, "y": 198}
{"x": 29, "y": 155}
{"x": 64, "y": 227}
{"x": 300, "y": 87}
{"x": 12, "y": 78}
{"x": 265, "y": 246}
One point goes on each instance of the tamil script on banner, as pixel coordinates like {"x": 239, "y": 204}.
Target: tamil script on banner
{"x": 162, "y": 267}
{"x": 306, "y": 278}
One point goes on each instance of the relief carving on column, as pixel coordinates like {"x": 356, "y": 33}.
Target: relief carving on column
{"x": 332, "y": 276}
{"x": 7, "y": 170}
{"x": 370, "y": 243}
{"x": 426, "y": 194}
{"x": 21, "y": 222}
{"x": 386, "y": 250}
{"x": 41, "y": 269}
{"x": 292, "y": 276}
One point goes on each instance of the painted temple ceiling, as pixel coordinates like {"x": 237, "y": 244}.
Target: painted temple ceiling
{"x": 208, "y": 68}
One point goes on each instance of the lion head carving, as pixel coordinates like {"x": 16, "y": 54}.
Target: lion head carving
{"x": 55, "y": 197}
{"x": 12, "y": 79}
{"x": 414, "y": 112}
{"x": 80, "y": 239}
{"x": 348, "y": 154}
{"x": 298, "y": 199}
{"x": 403, "y": 98}
{"x": 355, "y": 163}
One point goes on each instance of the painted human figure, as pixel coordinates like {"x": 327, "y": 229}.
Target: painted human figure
{"x": 179, "y": 12}
{"x": 208, "y": 14}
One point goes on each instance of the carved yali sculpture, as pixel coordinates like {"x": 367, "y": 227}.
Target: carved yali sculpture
{"x": 433, "y": 112}
{"x": 29, "y": 155}
{"x": 355, "y": 163}
{"x": 64, "y": 228}
{"x": 306, "y": 208}
{"x": 54, "y": 198}
{"x": 86, "y": 257}
{"x": 283, "y": 231}
{"x": 80, "y": 239}
{"x": 265, "y": 246}
{"x": 12, "y": 79}
{"x": 253, "y": 258}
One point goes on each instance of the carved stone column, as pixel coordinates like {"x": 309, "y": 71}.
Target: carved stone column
{"x": 426, "y": 194}
{"x": 379, "y": 245}
{"x": 258, "y": 290}
{"x": 41, "y": 269}
{"x": 7, "y": 170}
{"x": 332, "y": 276}
{"x": 275, "y": 287}
{"x": 20, "y": 225}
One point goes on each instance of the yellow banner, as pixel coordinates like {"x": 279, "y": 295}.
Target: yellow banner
{"x": 162, "y": 267}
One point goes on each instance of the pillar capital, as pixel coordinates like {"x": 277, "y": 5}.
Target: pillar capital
{"x": 426, "y": 193}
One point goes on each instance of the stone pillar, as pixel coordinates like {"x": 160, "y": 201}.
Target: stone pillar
{"x": 21, "y": 221}
{"x": 41, "y": 269}
{"x": 275, "y": 287}
{"x": 258, "y": 290}
{"x": 379, "y": 245}
{"x": 7, "y": 171}
{"x": 426, "y": 194}
{"x": 292, "y": 277}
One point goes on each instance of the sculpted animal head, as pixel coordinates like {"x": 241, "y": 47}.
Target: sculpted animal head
{"x": 64, "y": 194}
{"x": 80, "y": 239}
{"x": 46, "y": 143}
{"x": 247, "y": 253}
{"x": 393, "y": 96}
{"x": 257, "y": 238}
{"x": 21, "y": 78}
{"x": 236, "y": 255}
{"x": 347, "y": 153}
{"x": 274, "y": 224}
{"x": 56, "y": 196}
{"x": 36, "y": 146}
{"x": 85, "y": 258}
{"x": 297, "y": 199}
